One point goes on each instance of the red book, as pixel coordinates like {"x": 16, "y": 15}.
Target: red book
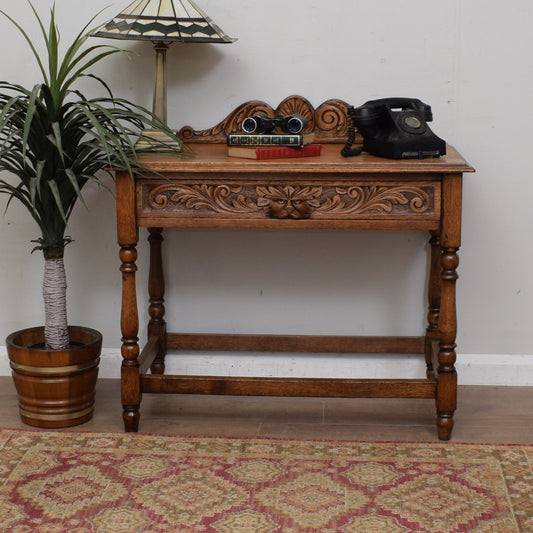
{"x": 274, "y": 152}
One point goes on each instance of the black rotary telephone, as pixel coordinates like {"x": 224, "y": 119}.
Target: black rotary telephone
{"x": 395, "y": 128}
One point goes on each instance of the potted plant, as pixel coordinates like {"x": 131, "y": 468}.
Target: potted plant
{"x": 54, "y": 140}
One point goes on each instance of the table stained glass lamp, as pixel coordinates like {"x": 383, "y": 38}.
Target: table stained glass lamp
{"x": 162, "y": 22}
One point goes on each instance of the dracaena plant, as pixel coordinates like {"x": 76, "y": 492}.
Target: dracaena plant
{"x": 54, "y": 140}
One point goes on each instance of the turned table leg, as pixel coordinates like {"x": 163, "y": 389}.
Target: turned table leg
{"x": 156, "y": 289}
{"x": 434, "y": 295}
{"x": 447, "y": 385}
{"x": 450, "y": 242}
{"x": 130, "y": 374}
{"x": 129, "y": 320}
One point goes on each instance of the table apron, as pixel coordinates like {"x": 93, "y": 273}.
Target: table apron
{"x": 275, "y": 202}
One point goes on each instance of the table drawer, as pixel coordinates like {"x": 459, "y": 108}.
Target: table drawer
{"x": 388, "y": 199}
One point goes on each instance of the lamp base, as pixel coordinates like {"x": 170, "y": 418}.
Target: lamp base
{"x": 157, "y": 141}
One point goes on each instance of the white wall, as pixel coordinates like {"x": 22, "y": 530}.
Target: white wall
{"x": 472, "y": 62}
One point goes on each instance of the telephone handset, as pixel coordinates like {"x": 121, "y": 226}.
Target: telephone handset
{"x": 395, "y": 128}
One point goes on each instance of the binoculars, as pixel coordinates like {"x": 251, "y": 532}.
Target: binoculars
{"x": 262, "y": 123}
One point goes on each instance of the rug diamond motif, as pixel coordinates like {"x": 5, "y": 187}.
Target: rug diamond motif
{"x": 120, "y": 520}
{"x": 435, "y": 502}
{"x": 256, "y": 471}
{"x": 246, "y": 522}
{"x": 478, "y": 476}
{"x": 144, "y": 467}
{"x": 190, "y": 496}
{"x": 374, "y": 524}
{"x": 371, "y": 474}
{"x": 64, "y": 494}
{"x": 313, "y": 499}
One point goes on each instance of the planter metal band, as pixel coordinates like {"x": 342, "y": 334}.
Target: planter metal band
{"x": 55, "y": 418}
{"x": 54, "y": 369}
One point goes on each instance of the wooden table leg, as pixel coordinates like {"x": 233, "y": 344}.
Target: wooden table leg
{"x": 434, "y": 295}
{"x": 127, "y": 234}
{"x": 450, "y": 242}
{"x": 130, "y": 373}
{"x": 156, "y": 289}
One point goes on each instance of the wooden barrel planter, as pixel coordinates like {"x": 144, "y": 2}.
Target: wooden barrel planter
{"x": 55, "y": 388}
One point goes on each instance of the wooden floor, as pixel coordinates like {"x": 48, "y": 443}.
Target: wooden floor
{"x": 496, "y": 415}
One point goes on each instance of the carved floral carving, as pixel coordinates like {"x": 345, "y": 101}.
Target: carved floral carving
{"x": 209, "y": 197}
{"x": 381, "y": 199}
{"x": 293, "y": 201}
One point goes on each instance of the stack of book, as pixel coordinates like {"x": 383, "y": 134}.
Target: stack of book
{"x": 272, "y": 146}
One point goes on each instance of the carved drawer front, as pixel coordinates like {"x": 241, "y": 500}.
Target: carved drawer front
{"x": 273, "y": 199}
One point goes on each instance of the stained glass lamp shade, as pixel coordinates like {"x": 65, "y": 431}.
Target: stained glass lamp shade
{"x": 163, "y": 22}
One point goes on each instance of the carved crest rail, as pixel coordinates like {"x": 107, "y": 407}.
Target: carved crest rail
{"x": 329, "y": 120}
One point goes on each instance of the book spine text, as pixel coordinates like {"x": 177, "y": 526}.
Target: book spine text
{"x": 239, "y": 139}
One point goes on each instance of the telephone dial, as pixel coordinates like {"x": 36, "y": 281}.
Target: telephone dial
{"x": 395, "y": 128}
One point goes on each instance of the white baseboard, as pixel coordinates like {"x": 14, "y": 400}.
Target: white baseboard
{"x": 472, "y": 369}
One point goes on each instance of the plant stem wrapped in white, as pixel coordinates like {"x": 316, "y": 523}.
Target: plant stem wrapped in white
{"x": 55, "y": 308}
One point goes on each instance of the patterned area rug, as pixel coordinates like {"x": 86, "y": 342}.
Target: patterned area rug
{"x": 54, "y": 482}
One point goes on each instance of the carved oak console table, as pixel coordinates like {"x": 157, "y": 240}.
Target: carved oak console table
{"x": 211, "y": 190}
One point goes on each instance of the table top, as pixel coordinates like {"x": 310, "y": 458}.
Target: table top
{"x": 213, "y": 157}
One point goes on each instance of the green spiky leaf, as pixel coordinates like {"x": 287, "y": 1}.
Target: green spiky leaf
{"x": 53, "y": 140}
